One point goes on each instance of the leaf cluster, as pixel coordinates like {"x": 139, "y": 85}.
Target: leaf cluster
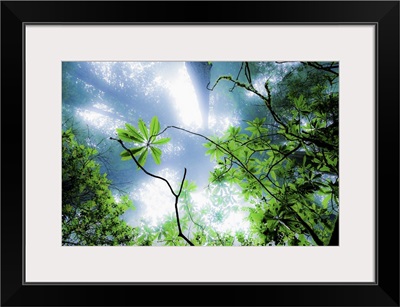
{"x": 90, "y": 213}
{"x": 145, "y": 140}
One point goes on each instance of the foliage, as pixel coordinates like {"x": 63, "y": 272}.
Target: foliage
{"x": 283, "y": 161}
{"x": 285, "y": 164}
{"x": 90, "y": 213}
{"x": 293, "y": 182}
{"x": 145, "y": 140}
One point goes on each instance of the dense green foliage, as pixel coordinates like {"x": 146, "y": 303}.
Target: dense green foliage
{"x": 90, "y": 213}
{"x": 281, "y": 161}
{"x": 292, "y": 178}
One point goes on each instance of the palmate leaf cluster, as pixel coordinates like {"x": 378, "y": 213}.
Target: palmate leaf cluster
{"x": 145, "y": 140}
{"x": 90, "y": 213}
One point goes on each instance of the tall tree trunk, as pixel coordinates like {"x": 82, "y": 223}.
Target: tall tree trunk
{"x": 200, "y": 73}
{"x": 335, "y": 234}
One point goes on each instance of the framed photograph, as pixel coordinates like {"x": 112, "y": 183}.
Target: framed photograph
{"x": 247, "y": 157}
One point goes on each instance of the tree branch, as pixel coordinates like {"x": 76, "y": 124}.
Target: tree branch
{"x": 142, "y": 168}
{"x": 267, "y": 100}
{"x": 177, "y": 212}
{"x": 316, "y": 65}
{"x": 169, "y": 185}
{"x": 309, "y": 229}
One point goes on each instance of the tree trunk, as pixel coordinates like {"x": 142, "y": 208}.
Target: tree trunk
{"x": 199, "y": 73}
{"x": 335, "y": 234}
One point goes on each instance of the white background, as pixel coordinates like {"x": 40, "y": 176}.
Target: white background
{"x": 47, "y": 46}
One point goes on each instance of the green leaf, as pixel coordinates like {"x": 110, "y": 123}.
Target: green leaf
{"x": 154, "y": 126}
{"x": 137, "y": 150}
{"x": 143, "y": 129}
{"x": 272, "y": 224}
{"x": 161, "y": 141}
{"x": 324, "y": 169}
{"x": 189, "y": 186}
{"x": 125, "y": 155}
{"x": 254, "y": 130}
{"x": 257, "y": 217}
{"x": 124, "y": 136}
{"x": 304, "y": 161}
{"x": 143, "y": 157}
{"x": 325, "y": 202}
{"x": 156, "y": 153}
{"x": 273, "y": 175}
{"x": 134, "y": 133}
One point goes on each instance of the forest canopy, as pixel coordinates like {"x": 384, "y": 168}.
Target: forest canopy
{"x": 200, "y": 153}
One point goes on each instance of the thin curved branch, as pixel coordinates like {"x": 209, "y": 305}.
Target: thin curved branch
{"x": 266, "y": 100}
{"x": 142, "y": 168}
{"x": 309, "y": 229}
{"x": 316, "y": 65}
{"x": 283, "y": 158}
{"x": 169, "y": 185}
{"x": 237, "y": 77}
{"x": 247, "y": 73}
{"x": 191, "y": 218}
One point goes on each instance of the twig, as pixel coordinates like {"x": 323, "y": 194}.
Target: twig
{"x": 169, "y": 185}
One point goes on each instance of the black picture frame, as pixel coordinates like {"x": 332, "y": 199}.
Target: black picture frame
{"x": 383, "y": 14}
